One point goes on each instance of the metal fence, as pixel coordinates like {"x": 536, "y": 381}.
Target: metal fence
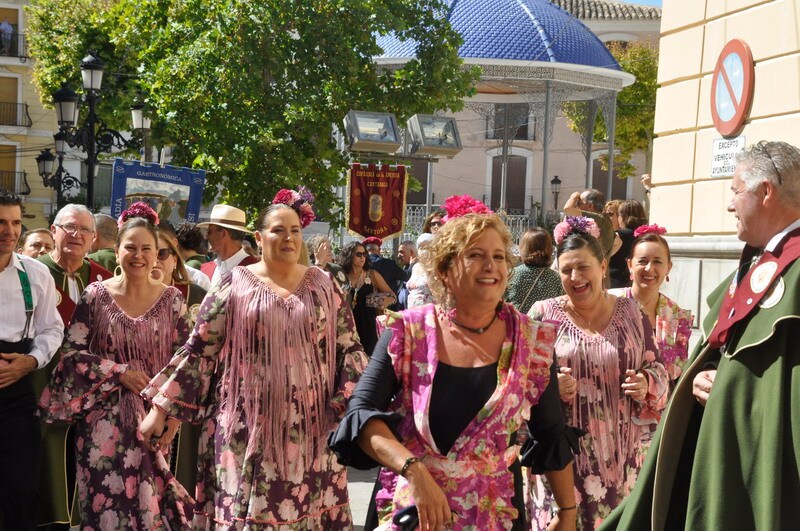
{"x": 15, "y": 181}
{"x": 15, "y": 114}
{"x": 517, "y": 221}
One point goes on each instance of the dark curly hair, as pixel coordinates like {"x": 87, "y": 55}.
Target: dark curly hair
{"x": 536, "y": 247}
{"x": 190, "y": 237}
{"x": 348, "y": 253}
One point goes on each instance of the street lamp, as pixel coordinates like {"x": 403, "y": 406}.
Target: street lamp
{"x": 93, "y": 137}
{"x": 555, "y": 187}
{"x": 57, "y": 178}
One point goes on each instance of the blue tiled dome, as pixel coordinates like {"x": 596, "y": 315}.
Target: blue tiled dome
{"x": 524, "y": 30}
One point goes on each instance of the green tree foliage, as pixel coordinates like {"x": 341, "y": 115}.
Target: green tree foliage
{"x": 249, "y": 90}
{"x": 635, "y": 107}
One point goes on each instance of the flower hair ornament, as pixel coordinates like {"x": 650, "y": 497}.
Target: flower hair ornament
{"x": 460, "y": 205}
{"x": 138, "y": 210}
{"x": 300, "y": 201}
{"x": 575, "y": 225}
{"x": 649, "y": 229}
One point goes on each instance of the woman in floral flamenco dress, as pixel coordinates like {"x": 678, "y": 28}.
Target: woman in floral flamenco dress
{"x": 267, "y": 370}
{"x": 122, "y": 332}
{"x": 612, "y": 381}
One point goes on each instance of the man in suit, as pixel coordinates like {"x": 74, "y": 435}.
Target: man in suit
{"x": 225, "y": 231}
{"x": 727, "y": 452}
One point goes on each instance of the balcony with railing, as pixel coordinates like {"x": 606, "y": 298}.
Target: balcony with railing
{"x": 15, "y": 181}
{"x": 14, "y": 114}
{"x": 13, "y": 44}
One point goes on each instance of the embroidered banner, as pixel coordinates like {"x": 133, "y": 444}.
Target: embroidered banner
{"x": 175, "y": 193}
{"x": 377, "y": 200}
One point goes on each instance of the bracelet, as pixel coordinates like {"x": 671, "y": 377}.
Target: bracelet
{"x": 562, "y": 509}
{"x": 409, "y": 461}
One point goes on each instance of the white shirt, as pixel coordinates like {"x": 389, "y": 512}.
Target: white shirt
{"x": 47, "y": 328}
{"x": 778, "y": 238}
{"x": 198, "y": 277}
{"x": 223, "y": 266}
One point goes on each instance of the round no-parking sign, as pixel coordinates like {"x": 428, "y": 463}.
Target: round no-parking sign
{"x": 732, "y": 88}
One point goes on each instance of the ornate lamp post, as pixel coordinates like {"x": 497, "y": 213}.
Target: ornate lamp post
{"x": 93, "y": 137}
{"x": 555, "y": 187}
{"x": 56, "y": 177}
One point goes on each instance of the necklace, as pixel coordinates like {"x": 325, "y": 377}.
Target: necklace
{"x": 478, "y": 331}
{"x": 575, "y": 311}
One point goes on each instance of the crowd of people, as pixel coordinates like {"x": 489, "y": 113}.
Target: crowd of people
{"x": 146, "y": 385}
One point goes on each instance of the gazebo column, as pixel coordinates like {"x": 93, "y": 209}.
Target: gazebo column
{"x": 588, "y": 139}
{"x": 548, "y": 132}
{"x": 608, "y": 104}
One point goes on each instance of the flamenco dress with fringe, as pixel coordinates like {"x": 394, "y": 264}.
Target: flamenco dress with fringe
{"x": 121, "y": 483}
{"x": 619, "y": 428}
{"x": 268, "y": 377}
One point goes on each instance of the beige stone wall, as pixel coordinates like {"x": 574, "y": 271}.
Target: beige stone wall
{"x": 693, "y": 33}
{"x": 687, "y": 200}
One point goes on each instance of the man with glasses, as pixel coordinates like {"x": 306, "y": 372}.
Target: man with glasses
{"x": 727, "y": 453}
{"x": 73, "y": 230}
{"x": 30, "y": 332}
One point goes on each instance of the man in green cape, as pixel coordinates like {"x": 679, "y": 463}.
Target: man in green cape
{"x": 727, "y": 452}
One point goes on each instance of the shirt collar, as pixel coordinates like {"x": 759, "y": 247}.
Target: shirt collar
{"x": 235, "y": 259}
{"x": 16, "y": 261}
{"x": 778, "y": 238}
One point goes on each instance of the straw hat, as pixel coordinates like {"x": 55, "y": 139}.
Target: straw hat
{"x": 228, "y": 217}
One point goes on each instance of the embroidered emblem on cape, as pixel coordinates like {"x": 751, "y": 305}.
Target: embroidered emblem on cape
{"x": 774, "y": 295}
{"x": 58, "y": 297}
{"x": 99, "y": 277}
{"x": 760, "y": 280}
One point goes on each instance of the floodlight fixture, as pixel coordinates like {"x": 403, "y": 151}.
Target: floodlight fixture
{"x": 434, "y": 135}
{"x": 374, "y": 132}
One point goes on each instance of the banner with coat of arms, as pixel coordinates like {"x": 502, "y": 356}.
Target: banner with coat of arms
{"x": 377, "y": 200}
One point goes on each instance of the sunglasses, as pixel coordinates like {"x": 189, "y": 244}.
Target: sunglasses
{"x": 360, "y": 254}
{"x": 165, "y": 253}
{"x": 436, "y": 223}
{"x": 763, "y": 147}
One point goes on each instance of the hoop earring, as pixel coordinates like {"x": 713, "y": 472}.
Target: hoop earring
{"x": 119, "y": 274}
{"x": 155, "y": 280}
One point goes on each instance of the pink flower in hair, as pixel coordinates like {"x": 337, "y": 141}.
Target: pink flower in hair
{"x": 138, "y": 210}
{"x": 460, "y": 205}
{"x": 300, "y": 202}
{"x": 647, "y": 229}
{"x": 575, "y": 225}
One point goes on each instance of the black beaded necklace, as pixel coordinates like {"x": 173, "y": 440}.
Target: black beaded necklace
{"x": 480, "y": 330}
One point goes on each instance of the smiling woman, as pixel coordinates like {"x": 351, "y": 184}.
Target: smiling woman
{"x": 448, "y": 387}
{"x": 611, "y": 379}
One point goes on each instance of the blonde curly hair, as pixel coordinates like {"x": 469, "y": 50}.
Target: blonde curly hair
{"x": 455, "y": 236}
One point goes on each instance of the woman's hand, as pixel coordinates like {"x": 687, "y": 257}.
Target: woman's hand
{"x": 134, "y": 380}
{"x": 152, "y": 429}
{"x": 173, "y": 425}
{"x": 567, "y": 385}
{"x": 702, "y": 384}
{"x": 432, "y": 507}
{"x": 635, "y": 385}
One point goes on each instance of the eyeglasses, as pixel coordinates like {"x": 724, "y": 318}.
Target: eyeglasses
{"x": 360, "y": 254}
{"x": 436, "y": 223}
{"x": 763, "y": 147}
{"x": 165, "y": 253}
{"x": 71, "y": 228}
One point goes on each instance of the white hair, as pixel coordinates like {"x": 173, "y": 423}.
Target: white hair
{"x": 73, "y": 208}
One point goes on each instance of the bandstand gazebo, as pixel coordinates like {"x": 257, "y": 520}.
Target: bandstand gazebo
{"x": 534, "y": 52}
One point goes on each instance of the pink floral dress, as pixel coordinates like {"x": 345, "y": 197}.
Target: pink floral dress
{"x": 121, "y": 483}
{"x": 618, "y": 427}
{"x": 268, "y": 378}
{"x": 474, "y": 474}
{"x": 672, "y": 333}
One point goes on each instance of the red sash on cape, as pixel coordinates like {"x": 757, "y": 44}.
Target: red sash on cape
{"x": 66, "y": 306}
{"x": 744, "y": 300}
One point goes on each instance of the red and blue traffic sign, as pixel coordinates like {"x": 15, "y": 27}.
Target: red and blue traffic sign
{"x": 732, "y": 88}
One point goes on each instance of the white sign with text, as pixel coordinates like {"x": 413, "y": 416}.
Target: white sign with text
{"x": 723, "y": 155}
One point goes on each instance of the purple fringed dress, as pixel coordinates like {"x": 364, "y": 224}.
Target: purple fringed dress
{"x": 121, "y": 483}
{"x": 268, "y": 378}
{"x": 619, "y": 427}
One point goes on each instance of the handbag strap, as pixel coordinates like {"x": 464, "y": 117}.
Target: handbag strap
{"x": 531, "y": 288}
